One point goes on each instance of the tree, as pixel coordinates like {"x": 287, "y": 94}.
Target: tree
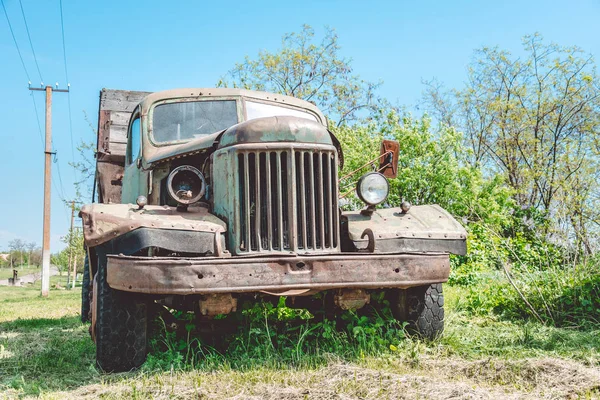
{"x": 73, "y": 252}
{"x": 536, "y": 119}
{"x": 17, "y": 247}
{"x": 315, "y": 72}
{"x": 85, "y": 169}
{"x": 31, "y": 246}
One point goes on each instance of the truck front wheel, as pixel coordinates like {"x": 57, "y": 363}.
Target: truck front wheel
{"x": 85, "y": 292}
{"x": 121, "y": 327}
{"x": 422, "y": 307}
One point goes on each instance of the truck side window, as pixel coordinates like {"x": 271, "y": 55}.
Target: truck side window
{"x": 134, "y": 142}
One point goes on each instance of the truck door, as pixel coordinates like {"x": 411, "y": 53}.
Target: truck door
{"x": 135, "y": 180}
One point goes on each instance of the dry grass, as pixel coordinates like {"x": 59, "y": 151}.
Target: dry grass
{"x": 369, "y": 379}
{"x": 45, "y": 352}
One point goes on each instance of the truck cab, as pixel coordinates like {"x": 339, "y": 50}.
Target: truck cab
{"x": 230, "y": 193}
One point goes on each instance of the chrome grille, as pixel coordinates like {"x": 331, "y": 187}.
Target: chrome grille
{"x": 288, "y": 201}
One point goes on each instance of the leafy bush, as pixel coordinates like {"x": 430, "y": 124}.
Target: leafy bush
{"x": 434, "y": 169}
{"x": 431, "y": 170}
{"x": 565, "y": 295}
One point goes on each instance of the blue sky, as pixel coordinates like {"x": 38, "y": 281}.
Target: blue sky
{"x": 156, "y": 45}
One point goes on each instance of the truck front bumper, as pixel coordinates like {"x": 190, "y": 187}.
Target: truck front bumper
{"x": 184, "y": 276}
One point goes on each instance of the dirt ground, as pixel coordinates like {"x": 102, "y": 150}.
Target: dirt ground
{"x": 432, "y": 379}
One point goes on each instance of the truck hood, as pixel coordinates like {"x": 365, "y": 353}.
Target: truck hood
{"x": 260, "y": 130}
{"x": 276, "y": 129}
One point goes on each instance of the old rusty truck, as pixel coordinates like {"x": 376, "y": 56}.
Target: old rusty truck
{"x": 207, "y": 197}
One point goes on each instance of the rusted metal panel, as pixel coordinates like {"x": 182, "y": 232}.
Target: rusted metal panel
{"x": 352, "y": 299}
{"x": 103, "y": 222}
{"x": 391, "y": 228}
{"x": 388, "y": 163}
{"x": 156, "y": 275}
{"x": 276, "y": 129}
{"x": 212, "y": 305}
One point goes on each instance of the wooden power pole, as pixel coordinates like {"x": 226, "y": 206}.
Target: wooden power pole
{"x": 47, "y": 190}
{"x": 74, "y": 272}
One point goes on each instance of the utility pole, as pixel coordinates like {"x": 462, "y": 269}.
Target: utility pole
{"x": 70, "y": 244}
{"x": 74, "y": 272}
{"x": 47, "y": 190}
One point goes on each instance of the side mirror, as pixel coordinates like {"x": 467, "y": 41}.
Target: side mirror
{"x": 388, "y": 158}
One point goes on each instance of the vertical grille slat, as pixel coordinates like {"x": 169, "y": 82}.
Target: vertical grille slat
{"x": 257, "y": 209}
{"x": 334, "y": 202}
{"x": 322, "y": 206}
{"x": 301, "y": 195}
{"x": 287, "y": 200}
{"x": 269, "y": 204}
{"x": 247, "y": 203}
{"x": 312, "y": 196}
{"x": 292, "y": 219}
{"x": 279, "y": 201}
{"x": 329, "y": 199}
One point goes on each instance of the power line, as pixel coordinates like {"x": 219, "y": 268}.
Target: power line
{"x": 62, "y": 27}
{"x": 15, "y": 41}
{"x": 37, "y": 118}
{"x": 31, "y": 43}
{"x": 61, "y": 194}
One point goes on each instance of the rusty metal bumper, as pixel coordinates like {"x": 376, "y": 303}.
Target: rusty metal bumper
{"x": 184, "y": 276}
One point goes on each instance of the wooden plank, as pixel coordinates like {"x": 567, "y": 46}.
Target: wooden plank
{"x": 118, "y": 134}
{"x": 120, "y": 118}
{"x": 115, "y": 151}
{"x": 103, "y": 131}
{"x": 110, "y": 180}
{"x": 120, "y": 100}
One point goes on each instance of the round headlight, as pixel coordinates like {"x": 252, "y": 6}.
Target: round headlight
{"x": 186, "y": 184}
{"x": 373, "y": 188}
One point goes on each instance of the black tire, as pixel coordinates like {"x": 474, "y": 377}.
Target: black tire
{"x": 85, "y": 292}
{"x": 121, "y": 327}
{"x": 422, "y": 307}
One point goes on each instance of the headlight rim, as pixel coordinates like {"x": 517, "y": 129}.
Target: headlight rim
{"x": 361, "y": 180}
{"x": 197, "y": 172}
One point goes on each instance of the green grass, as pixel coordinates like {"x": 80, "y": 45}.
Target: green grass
{"x": 6, "y": 273}
{"x": 46, "y": 351}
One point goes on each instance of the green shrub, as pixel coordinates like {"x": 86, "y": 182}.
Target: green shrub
{"x": 566, "y": 295}
{"x": 433, "y": 168}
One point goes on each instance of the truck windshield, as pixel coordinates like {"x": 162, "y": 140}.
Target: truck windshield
{"x": 174, "y": 122}
{"x": 259, "y": 110}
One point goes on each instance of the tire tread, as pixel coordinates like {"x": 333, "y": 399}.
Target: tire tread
{"x": 121, "y": 328}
